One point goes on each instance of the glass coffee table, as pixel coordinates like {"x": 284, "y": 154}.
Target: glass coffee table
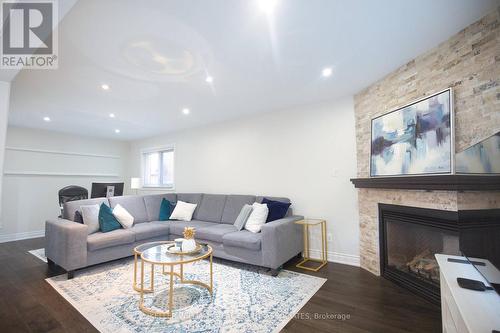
{"x": 137, "y": 254}
{"x": 156, "y": 254}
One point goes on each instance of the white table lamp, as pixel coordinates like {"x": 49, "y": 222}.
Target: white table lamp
{"x": 135, "y": 184}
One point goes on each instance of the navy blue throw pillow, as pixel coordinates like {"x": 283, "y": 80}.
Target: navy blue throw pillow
{"x": 78, "y": 217}
{"x": 277, "y": 209}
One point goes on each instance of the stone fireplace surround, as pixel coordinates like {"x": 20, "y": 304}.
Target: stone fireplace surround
{"x": 469, "y": 62}
{"x": 443, "y": 200}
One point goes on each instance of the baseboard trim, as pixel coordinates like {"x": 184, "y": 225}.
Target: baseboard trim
{"x": 21, "y": 235}
{"x": 337, "y": 257}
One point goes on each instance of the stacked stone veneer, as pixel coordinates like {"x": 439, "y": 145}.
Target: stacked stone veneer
{"x": 469, "y": 62}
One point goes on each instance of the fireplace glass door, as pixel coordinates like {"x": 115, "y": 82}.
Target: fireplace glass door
{"x": 411, "y": 249}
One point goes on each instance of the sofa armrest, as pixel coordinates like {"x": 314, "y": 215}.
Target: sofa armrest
{"x": 66, "y": 243}
{"x": 281, "y": 240}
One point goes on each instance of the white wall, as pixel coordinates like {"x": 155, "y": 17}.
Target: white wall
{"x": 4, "y": 116}
{"x": 307, "y": 154}
{"x": 38, "y": 163}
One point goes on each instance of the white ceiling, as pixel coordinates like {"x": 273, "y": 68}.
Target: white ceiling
{"x": 156, "y": 54}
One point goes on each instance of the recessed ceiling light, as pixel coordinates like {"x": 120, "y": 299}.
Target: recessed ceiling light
{"x": 209, "y": 79}
{"x": 117, "y": 131}
{"x": 47, "y": 119}
{"x": 186, "y": 111}
{"x": 111, "y": 115}
{"x": 105, "y": 86}
{"x": 326, "y": 72}
{"x": 267, "y": 6}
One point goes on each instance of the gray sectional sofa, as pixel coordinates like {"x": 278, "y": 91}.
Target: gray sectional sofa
{"x": 69, "y": 245}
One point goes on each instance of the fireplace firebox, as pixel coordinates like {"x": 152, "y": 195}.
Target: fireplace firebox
{"x": 409, "y": 238}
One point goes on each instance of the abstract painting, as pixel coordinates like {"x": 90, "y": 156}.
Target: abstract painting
{"x": 416, "y": 139}
{"x": 483, "y": 157}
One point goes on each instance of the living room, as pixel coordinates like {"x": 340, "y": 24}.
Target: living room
{"x": 286, "y": 172}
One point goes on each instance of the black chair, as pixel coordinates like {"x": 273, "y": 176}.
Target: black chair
{"x": 72, "y": 193}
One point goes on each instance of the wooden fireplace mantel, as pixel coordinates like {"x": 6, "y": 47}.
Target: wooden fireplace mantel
{"x": 432, "y": 183}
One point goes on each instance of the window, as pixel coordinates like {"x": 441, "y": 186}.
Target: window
{"x": 158, "y": 167}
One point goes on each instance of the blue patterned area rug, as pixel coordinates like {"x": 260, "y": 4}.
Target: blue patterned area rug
{"x": 245, "y": 298}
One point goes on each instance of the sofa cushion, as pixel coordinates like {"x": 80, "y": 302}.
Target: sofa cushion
{"x": 215, "y": 233}
{"x": 165, "y": 210}
{"x": 123, "y": 216}
{"x": 101, "y": 240}
{"x": 280, "y": 199}
{"x": 277, "y": 209}
{"x": 134, "y": 204}
{"x": 70, "y": 207}
{"x": 211, "y": 207}
{"x": 243, "y": 238}
{"x": 242, "y": 218}
{"x": 257, "y": 217}
{"x": 177, "y": 227}
{"x": 90, "y": 216}
{"x": 194, "y": 198}
{"x": 153, "y": 229}
{"x": 78, "y": 217}
{"x": 107, "y": 221}
{"x": 153, "y": 203}
{"x": 233, "y": 206}
{"x": 183, "y": 211}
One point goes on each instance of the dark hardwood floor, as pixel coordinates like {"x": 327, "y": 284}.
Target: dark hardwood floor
{"x": 365, "y": 302}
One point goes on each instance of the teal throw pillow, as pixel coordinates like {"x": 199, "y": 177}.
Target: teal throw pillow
{"x": 165, "y": 210}
{"x": 107, "y": 221}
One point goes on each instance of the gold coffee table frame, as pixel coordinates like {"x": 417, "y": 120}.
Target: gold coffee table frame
{"x": 183, "y": 259}
{"x": 306, "y": 223}
{"x": 137, "y": 253}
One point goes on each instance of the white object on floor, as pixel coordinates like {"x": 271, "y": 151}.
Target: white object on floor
{"x": 123, "y": 216}
{"x": 464, "y": 310}
{"x": 39, "y": 253}
{"x": 257, "y": 217}
{"x": 183, "y": 211}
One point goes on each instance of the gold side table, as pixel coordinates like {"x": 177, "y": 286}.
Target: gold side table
{"x": 306, "y": 223}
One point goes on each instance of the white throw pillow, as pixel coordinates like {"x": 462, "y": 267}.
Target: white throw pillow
{"x": 183, "y": 211}
{"x": 123, "y": 216}
{"x": 90, "y": 216}
{"x": 257, "y": 217}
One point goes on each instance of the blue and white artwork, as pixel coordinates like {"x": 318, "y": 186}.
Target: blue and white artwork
{"x": 483, "y": 157}
{"x": 415, "y": 139}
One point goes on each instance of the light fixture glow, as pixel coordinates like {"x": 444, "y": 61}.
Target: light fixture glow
{"x": 117, "y": 131}
{"x": 209, "y": 79}
{"x": 186, "y": 111}
{"x": 267, "y": 6}
{"x": 326, "y": 72}
{"x": 46, "y": 119}
{"x": 111, "y": 115}
{"x": 105, "y": 86}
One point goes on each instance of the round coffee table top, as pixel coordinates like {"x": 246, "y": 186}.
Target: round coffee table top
{"x": 143, "y": 247}
{"x": 157, "y": 254}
